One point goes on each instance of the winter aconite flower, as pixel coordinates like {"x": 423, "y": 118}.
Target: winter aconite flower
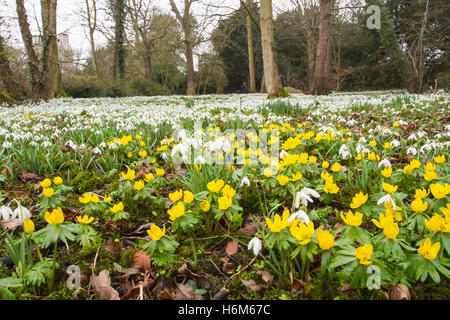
{"x": 55, "y": 217}
{"x": 215, "y": 186}
{"x": 386, "y": 172}
{"x": 421, "y": 193}
{"x": 177, "y": 211}
{"x": 117, "y": 208}
{"x": 358, "y": 200}
{"x": 279, "y": 223}
{"x": 429, "y": 251}
{"x": 155, "y": 233}
{"x": 58, "y": 181}
{"x": 389, "y": 188}
{"x": 224, "y": 203}
{"x": 351, "y": 219}
{"x": 160, "y": 172}
{"x": 205, "y": 205}
{"x": 228, "y": 191}
{"x": 130, "y": 175}
{"x": 188, "y": 196}
{"x": 139, "y": 185}
{"x": 336, "y": 167}
{"x": 302, "y": 232}
{"x": 439, "y": 191}
{"x": 330, "y": 186}
{"x": 325, "y": 164}
{"x": 85, "y": 219}
{"x": 175, "y": 196}
{"x": 439, "y": 159}
{"x": 28, "y": 226}
{"x": 46, "y": 183}
{"x": 282, "y": 180}
{"x": 438, "y": 224}
{"x": 89, "y": 197}
{"x": 419, "y": 206}
{"x": 325, "y": 239}
{"x": 48, "y": 192}
{"x": 364, "y": 253}
{"x": 391, "y": 229}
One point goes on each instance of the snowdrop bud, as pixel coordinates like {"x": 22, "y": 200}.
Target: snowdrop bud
{"x": 6, "y": 212}
{"x": 256, "y": 244}
{"x": 22, "y": 213}
{"x": 411, "y": 150}
{"x": 245, "y": 181}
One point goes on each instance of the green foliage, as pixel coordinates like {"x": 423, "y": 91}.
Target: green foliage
{"x": 145, "y": 87}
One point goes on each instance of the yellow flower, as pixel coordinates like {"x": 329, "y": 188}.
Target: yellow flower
{"x": 326, "y": 239}
{"x": 117, "y": 208}
{"x": 57, "y": 181}
{"x": 325, "y": 164}
{"x": 28, "y": 226}
{"x": 438, "y": 224}
{"x": 130, "y": 175}
{"x": 296, "y": 176}
{"x": 177, "y": 211}
{"x": 421, "y": 193}
{"x": 430, "y": 175}
{"x": 439, "y": 191}
{"x": 188, "y": 196}
{"x": 139, "y": 185}
{"x": 205, "y": 205}
{"x": 408, "y": 169}
{"x": 427, "y": 250}
{"x": 391, "y": 229}
{"x": 419, "y": 206}
{"x": 387, "y": 145}
{"x": 358, "y": 200}
{"x": 384, "y": 219}
{"x": 278, "y": 223}
{"x": 228, "y": 191}
{"x": 330, "y": 186}
{"x": 389, "y": 188}
{"x": 143, "y": 153}
{"x": 45, "y": 183}
{"x": 268, "y": 172}
{"x": 415, "y": 163}
{"x": 175, "y": 196}
{"x": 445, "y": 210}
{"x": 351, "y": 219}
{"x": 282, "y": 180}
{"x": 430, "y": 166}
{"x": 373, "y": 143}
{"x": 85, "y": 219}
{"x": 160, "y": 172}
{"x": 302, "y": 232}
{"x": 215, "y": 186}
{"x": 364, "y": 253}
{"x": 107, "y": 198}
{"x": 149, "y": 177}
{"x": 55, "y": 217}
{"x": 387, "y": 172}
{"x": 224, "y": 203}
{"x": 312, "y": 159}
{"x": 336, "y": 167}
{"x": 439, "y": 159}
{"x": 324, "y": 175}
{"x": 48, "y": 192}
{"x": 138, "y": 137}
{"x": 155, "y": 233}
{"x": 142, "y": 143}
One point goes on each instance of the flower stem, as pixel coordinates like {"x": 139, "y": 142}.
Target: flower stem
{"x": 55, "y": 250}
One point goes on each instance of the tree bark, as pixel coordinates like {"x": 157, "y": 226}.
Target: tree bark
{"x": 92, "y": 25}
{"x": 251, "y": 55}
{"x": 33, "y": 61}
{"x": 119, "y": 38}
{"x": 6, "y": 74}
{"x": 272, "y": 78}
{"x": 322, "y": 74}
{"x": 185, "y": 21}
{"x": 50, "y": 69}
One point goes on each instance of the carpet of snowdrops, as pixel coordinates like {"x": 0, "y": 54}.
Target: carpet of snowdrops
{"x": 261, "y": 198}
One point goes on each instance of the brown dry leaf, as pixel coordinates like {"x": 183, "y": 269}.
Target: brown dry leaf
{"x": 399, "y": 292}
{"x": 249, "y": 229}
{"x": 251, "y": 285}
{"x": 112, "y": 246}
{"x": 136, "y": 290}
{"x": 133, "y": 271}
{"x": 27, "y": 176}
{"x": 298, "y": 285}
{"x": 346, "y": 288}
{"x": 101, "y": 285}
{"x": 140, "y": 258}
{"x": 227, "y": 265}
{"x": 232, "y": 247}
{"x": 11, "y": 224}
{"x": 266, "y": 276}
{"x": 165, "y": 295}
{"x": 185, "y": 293}
{"x": 186, "y": 270}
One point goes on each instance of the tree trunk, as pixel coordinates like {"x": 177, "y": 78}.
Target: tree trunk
{"x": 251, "y": 55}
{"x": 6, "y": 74}
{"x": 190, "y": 70}
{"x": 272, "y": 78}
{"x": 92, "y": 25}
{"x": 50, "y": 72}
{"x": 33, "y": 62}
{"x": 119, "y": 38}
{"x": 322, "y": 73}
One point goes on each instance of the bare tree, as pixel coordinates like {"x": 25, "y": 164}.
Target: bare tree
{"x": 322, "y": 73}
{"x": 185, "y": 20}
{"x": 91, "y": 18}
{"x": 271, "y": 74}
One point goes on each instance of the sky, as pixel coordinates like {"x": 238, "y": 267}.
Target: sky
{"x": 69, "y": 19}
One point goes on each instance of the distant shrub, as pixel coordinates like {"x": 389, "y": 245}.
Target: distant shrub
{"x": 145, "y": 87}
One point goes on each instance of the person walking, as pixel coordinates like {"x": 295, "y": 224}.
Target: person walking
{"x": 244, "y": 87}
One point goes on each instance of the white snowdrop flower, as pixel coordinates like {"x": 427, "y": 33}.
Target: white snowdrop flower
{"x": 411, "y": 150}
{"x": 421, "y": 134}
{"x": 200, "y": 160}
{"x": 412, "y": 137}
{"x": 283, "y": 153}
{"x": 33, "y": 144}
{"x": 7, "y": 145}
{"x": 304, "y": 196}
{"x": 46, "y": 144}
{"x": 384, "y": 162}
{"x": 362, "y": 140}
{"x": 395, "y": 143}
{"x": 425, "y": 147}
{"x": 387, "y": 198}
{"x": 102, "y": 145}
{"x": 343, "y": 152}
{"x": 82, "y": 146}
{"x": 96, "y": 150}
{"x": 114, "y": 145}
{"x": 22, "y": 213}
{"x": 256, "y": 245}
{"x": 245, "y": 182}
{"x": 6, "y": 213}
{"x": 300, "y": 215}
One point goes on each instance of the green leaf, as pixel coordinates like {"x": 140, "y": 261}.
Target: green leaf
{"x": 11, "y": 283}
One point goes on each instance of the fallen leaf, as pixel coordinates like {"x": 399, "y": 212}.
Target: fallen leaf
{"x": 298, "y": 285}
{"x": 11, "y": 224}
{"x": 251, "y": 285}
{"x": 266, "y": 276}
{"x": 165, "y": 295}
{"x": 101, "y": 285}
{"x": 232, "y": 247}
{"x": 185, "y": 293}
{"x": 140, "y": 258}
{"x": 112, "y": 246}
{"x": 186, "y": 270}
{"x": 27, "y": 176}
{"x": 136, "y": 290}
{"x": 249, "y": 229}
{"x": 399, "y": 292}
